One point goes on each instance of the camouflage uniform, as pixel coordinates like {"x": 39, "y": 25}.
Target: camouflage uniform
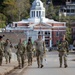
{"x": 20, "y": 54}
{"x": 1, "y": 52}
{"x": 40, "y": 49}
{"x": 63, "y": 51}
{"x": 7, "y": 51}
{"x": 29, "y": 53}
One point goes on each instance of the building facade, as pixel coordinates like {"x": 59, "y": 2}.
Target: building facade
{"x": 38, "y": 24}
{"x": 69, "y": 8}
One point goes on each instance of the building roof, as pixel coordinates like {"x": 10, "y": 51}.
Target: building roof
{"x": 37, "y": 5}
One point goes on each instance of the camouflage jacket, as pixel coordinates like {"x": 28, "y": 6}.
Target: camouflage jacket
{"x": 20, "y": 48}
{"x": 29, "y": 47}
{"x": 1, "y": 48}
{"x": 40, "y": 45}
{"x": 63, "y": 46}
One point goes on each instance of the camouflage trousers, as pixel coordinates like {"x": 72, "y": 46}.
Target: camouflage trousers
{"x": 7, "y": 57}
{"x": 1, "y": 57}
{"x": 63, "y": 56}
{"x": 39, "y": 58}
{"x": 29, "y": 54}
{"x": 20, "y": 58}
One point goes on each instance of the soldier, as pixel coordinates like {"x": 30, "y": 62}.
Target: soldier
{"x": 63, "y": 51}
{"x": 29, "y": 51}
{"x": 7, "y": 50}
{"x": 40, "y": 50}
{"x": 1, "y": 50}
{"x": 20, "y": 53}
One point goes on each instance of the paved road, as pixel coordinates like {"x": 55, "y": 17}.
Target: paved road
{"x": 51, "y": 67}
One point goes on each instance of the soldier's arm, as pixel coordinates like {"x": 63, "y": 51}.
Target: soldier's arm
{"x": 2, "y": 48}
{"x": 44, "y": 46}
{"x": 24, "y": 49}
{"x": 67, "y": 46}
{"x": 58, "y": 47}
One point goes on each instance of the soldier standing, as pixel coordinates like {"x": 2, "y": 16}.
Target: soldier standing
{"x": 7, "y": 50}
{"x": 1, "y": 50}
{"x": 29, "y": 51}
{"x": 20, "y": 53}
{"x": 40, "y": 50}
{"x": 63, "y": 51}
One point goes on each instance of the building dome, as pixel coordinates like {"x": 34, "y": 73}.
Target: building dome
{"x": 37, "y": 9}
{"x": 37, "y": 5}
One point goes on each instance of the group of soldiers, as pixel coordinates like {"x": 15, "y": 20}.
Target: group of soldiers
{"x": 28, "y": 48}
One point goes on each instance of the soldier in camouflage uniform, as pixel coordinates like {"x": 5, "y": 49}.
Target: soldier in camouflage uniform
{"x": 40, "y": 50}
{"x": 20, "y": 53}
{"x": 63, "y": 51}
{"x": 1, "y": 50}
{"x": 7, "y": 50}
{"x": 29, "y": 51}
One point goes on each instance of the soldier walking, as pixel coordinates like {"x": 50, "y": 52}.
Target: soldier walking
{"x": 7, "y": 50}
{"x": 1, "y": 50}
{"x": 63, "y": 51}
{"x": 29, "y": 51}
{"x": 40, "y": 50}
{"x": 20, "y": 53}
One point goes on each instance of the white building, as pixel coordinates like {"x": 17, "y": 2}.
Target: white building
{"x": 39, "y": 24}
{"x": 69, "y": 8}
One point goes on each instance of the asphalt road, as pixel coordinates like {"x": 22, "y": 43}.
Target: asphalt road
{"x": 51, "y": 66}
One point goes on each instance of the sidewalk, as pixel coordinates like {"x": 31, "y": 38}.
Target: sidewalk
{"x": 7, "y": 68}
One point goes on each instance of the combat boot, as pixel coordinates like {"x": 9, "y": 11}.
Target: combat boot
{"x": 60, "y": 66}
{"x": 65, "y": 66}
{"x": 42, "y": 66}
{"x": 38, "y": 66}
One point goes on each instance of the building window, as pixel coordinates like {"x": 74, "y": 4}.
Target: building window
{"x": 32, "y": 13}
{"x": 16, "y": 25}
{"x": 39, "y": 13}
{"x": 40, "y": 32}
{"x": 57, "y": 33}
{"x": 68, "y": 11}
{"x": 57, "y": 42}
{"x": 72, "y": 10}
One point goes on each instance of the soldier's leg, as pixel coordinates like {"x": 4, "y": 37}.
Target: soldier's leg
{"x": 41, "y": 61}
{"x": 31, "y": 59}
{"x": 60, "y": 59}
{"x": 22, "y": 59}
{"x": 6, "y": 57}
{"x": 0, "y": 60}
{"x": 65, "y": 61}
{"x": 9, "y": 58}
{"x": 38, "y": 61}
{"x": 6, "y": 60}
{"x": 19, "y": 62}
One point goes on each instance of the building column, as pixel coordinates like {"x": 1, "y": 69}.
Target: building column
{"x": 44, "y": 35}
{"x": 50, "y": 38}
